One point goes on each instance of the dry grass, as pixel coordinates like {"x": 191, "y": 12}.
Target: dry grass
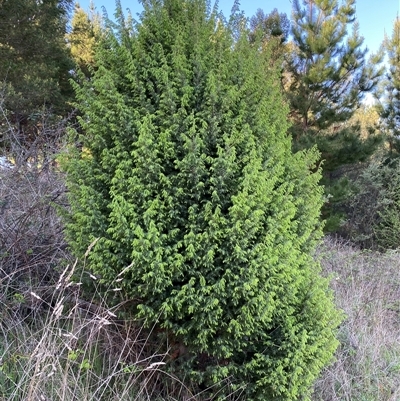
{"x": 54, "y": 344}
{"x": 32, "y": 245}
{"x": 367, "y": 288}
{"x": 75, "y": 350}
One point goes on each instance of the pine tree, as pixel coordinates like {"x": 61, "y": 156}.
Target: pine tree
{"x": 34, "y": 58}
{"x": 274, "y": 24}
{"x": 205, "y": 219}
{"x": 273, "y": 30}
{"x": 377, "y": 204}
{"x": 328, "y": 77}
{"x": 389, "y": 108}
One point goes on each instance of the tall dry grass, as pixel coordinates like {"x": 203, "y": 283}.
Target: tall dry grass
{"x": 74, "y": 349}
{"x": 367, "y": 288}
{"x": 32, "y": 245}
{"x": 79, "y": 349}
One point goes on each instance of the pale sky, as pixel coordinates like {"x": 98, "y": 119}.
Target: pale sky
{"x": 375, "y": 17}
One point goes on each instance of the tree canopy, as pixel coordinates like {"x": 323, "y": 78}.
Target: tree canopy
{"x": 389, "y": 107}
{"x": 34, "y": 59}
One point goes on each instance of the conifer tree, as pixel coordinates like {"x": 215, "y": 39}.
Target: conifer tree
{"x": 34, "y": 66}
{"x": 389, "y": 107}
{"x": 328, "y": 77}
{"x": 34, "y": 60}
{"x": 275, "y": 29}
{"x": 204, "y": 218}
{"x": 85, "y": 32}
{"x": 274, "y": 24}
{"x": 381, "y": 211}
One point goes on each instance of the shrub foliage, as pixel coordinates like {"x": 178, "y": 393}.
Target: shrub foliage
{"x": 187, "y": 177}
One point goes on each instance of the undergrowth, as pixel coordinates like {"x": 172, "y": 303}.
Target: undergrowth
{"x": 57, "y": 345}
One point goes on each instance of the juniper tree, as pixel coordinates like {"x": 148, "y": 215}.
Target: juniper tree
{"x": 204, "y": 218}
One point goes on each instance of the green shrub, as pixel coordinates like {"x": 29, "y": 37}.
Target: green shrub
{"x": 204, "y": 216}
{"x": 374, "y": 209}
{"x": 388, "y": 228}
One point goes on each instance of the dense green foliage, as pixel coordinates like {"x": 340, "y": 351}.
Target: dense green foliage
{"x": 326, "y": 77}
{"x": 374, "y": 208}
{"x": 374, "y": 218}
{"x": 34, "y": 60}
{"x": 272, "y": 25}
{"x": 187, "y": 178}
{"x": 200, "y": 218}
{"x": 34, "y": 71}
{"x": 274, "y": 28}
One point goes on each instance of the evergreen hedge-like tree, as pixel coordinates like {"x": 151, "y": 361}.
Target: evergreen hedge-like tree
{"x": 205, "y": 219}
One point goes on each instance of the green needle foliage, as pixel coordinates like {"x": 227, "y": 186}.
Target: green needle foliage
{"x": 389, "y": 107}
{"x": 34, "y": 59}
{"x": 329, "y": 75}
{"x": 35, "y": 69}
{"x": 187, "y": 178}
